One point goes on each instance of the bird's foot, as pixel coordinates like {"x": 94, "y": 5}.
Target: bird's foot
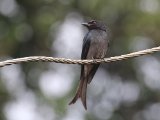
{"x": 94, "y": 61}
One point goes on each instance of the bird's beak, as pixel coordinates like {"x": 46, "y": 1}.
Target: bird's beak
{"x": 85, "y": 24}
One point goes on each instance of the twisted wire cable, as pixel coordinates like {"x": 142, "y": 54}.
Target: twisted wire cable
{"x": 71, "y": 61}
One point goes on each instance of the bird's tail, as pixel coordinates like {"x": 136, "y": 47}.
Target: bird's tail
{"x": 81, "y": 93}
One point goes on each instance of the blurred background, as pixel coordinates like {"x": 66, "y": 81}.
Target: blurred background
{"x": 124, "y": 90}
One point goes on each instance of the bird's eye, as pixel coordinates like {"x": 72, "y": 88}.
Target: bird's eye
{"x": 92, "y": 22}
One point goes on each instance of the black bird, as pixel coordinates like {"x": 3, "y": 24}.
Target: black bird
{"x": 95, "y": 45}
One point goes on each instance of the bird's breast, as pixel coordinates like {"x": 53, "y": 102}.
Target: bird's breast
{"x": 98, "y": 44}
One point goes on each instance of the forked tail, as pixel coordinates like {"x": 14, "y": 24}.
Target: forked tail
{"x": 81, "y": 93}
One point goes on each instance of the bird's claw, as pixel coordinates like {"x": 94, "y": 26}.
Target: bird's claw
{"x": 94, "y": 61}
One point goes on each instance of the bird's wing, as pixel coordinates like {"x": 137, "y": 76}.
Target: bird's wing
{"x": 92, "y": 72}
{"x": 85, "y": 49}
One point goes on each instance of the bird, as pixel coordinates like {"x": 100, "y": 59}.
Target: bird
{"x": 95, "y": 46}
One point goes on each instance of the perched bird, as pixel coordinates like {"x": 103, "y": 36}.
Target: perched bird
{"x": 95, "y": 45}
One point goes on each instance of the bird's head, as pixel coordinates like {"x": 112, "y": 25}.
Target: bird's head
{"x": 93, "y": 24}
